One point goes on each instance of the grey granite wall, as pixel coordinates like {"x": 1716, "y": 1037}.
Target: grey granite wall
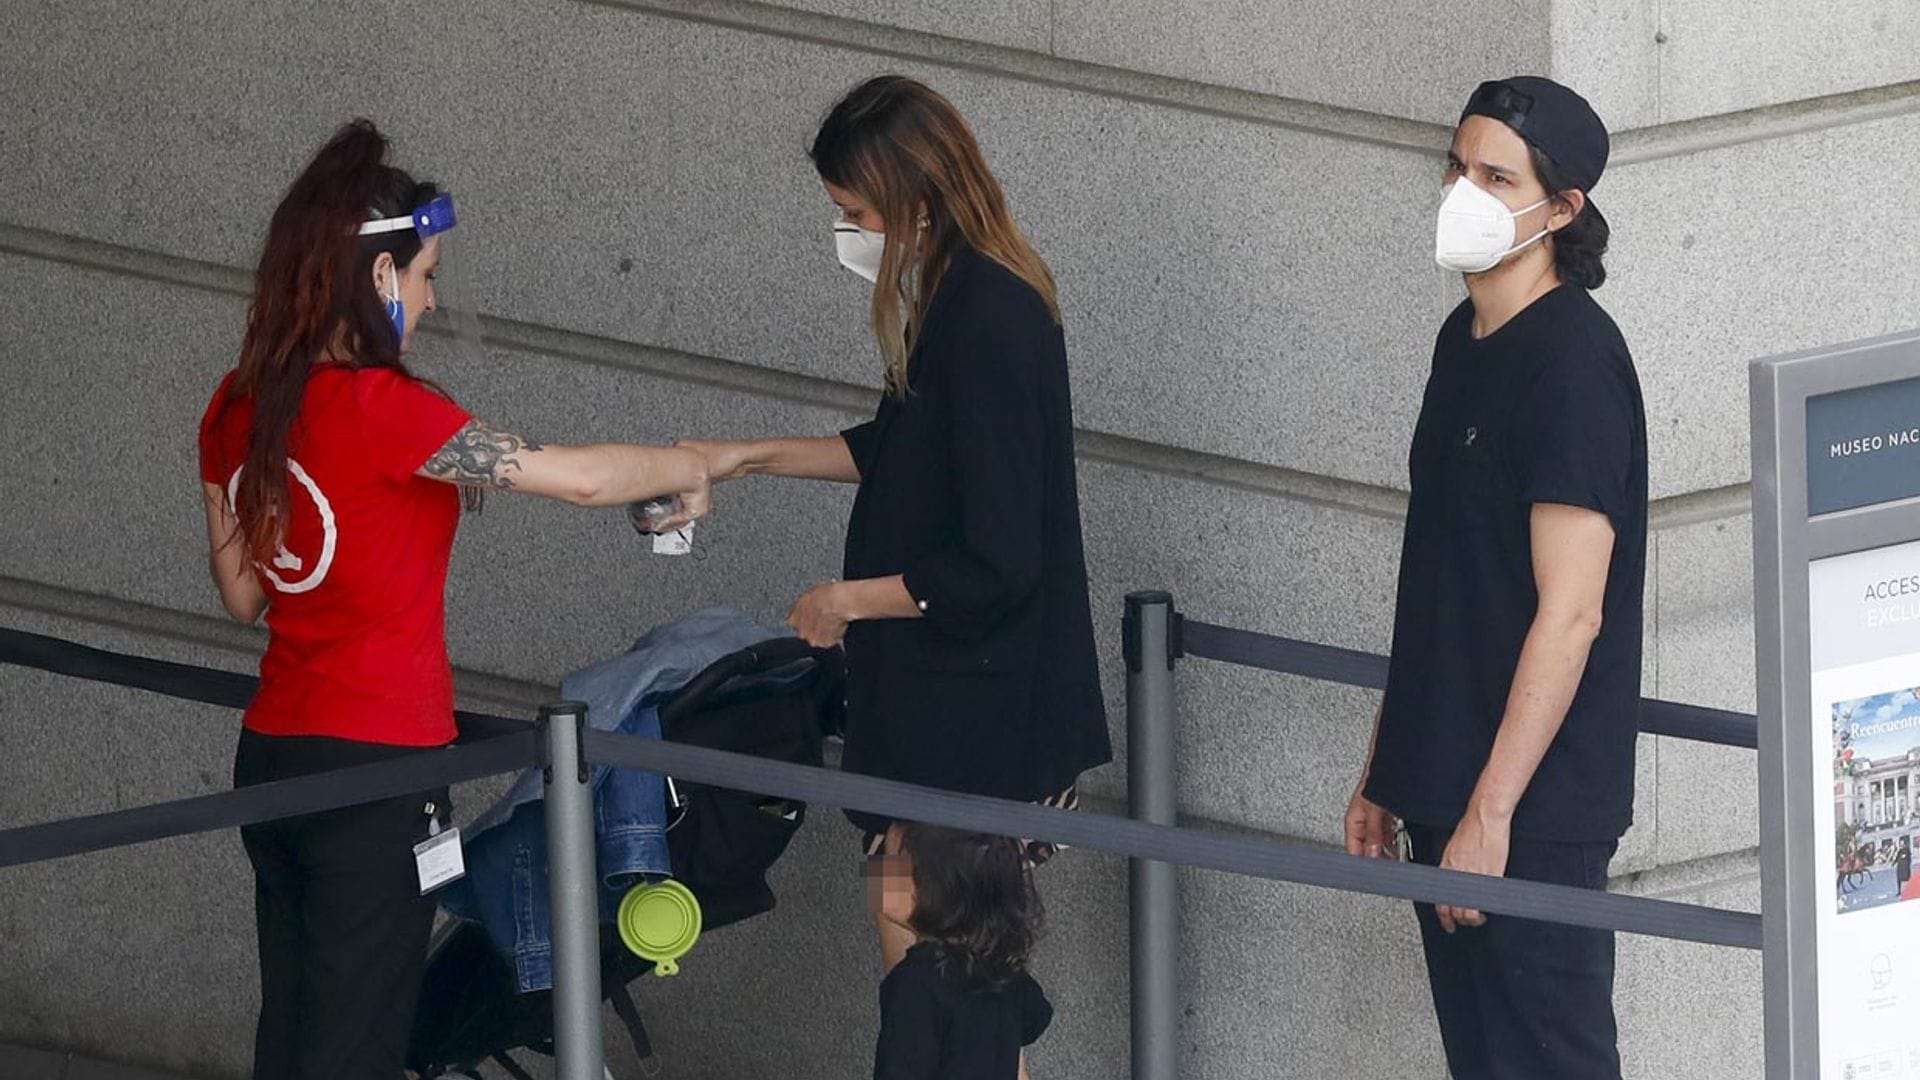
{"x": 1237, "y": 200}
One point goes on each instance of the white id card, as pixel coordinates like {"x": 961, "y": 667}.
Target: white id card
{"x": 677, "y": 542}
{"x": 439, "y": 859}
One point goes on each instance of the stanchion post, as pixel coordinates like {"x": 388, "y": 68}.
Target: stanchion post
{"x": 578, "y": 1054}
{"x": 1151, "y": 642}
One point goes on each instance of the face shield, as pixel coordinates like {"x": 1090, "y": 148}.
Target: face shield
{"x": 435, "y": 222}
{"x": 430, "y": 220}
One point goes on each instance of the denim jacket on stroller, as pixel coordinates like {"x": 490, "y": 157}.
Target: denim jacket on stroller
{"x": 776, "y": 698}
{"x": 505, "y": 889}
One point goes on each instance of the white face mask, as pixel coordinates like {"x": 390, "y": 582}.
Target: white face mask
{"x": 1475, "y": 230}
{"x": 860, "y": 251}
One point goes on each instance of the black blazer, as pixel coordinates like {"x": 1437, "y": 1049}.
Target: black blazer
{"x": 967, "y": 488}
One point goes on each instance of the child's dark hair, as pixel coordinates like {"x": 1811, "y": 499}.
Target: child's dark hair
{"x": 974, "y": 902}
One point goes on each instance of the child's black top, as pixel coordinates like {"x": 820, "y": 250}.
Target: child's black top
{"x": 933, "y": 1027}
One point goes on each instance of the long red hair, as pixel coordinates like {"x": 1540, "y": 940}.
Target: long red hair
{"x": 313, "y": 300}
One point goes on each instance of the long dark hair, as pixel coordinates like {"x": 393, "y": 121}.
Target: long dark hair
{"x": 1579, "y": 249}
{"x": 314, "y": 299}
{"x": 974, "y": 902}
{"x": 904, "y": 149}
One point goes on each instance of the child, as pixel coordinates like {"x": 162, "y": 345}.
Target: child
{"x": 960, "y": 1004}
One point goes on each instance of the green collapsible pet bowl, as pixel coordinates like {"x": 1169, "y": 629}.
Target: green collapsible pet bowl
{"x": 660, "y": 922}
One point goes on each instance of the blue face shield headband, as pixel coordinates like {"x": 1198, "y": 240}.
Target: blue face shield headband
{"x": 429, "y": 221}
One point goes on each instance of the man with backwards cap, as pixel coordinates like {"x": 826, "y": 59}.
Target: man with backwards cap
{"x": 1505, "y": 743}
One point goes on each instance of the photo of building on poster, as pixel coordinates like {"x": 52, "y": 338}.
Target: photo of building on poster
{"x": 1876, "y": 782}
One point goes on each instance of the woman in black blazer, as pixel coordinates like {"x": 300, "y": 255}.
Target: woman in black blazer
{"x": 963, "y": 609}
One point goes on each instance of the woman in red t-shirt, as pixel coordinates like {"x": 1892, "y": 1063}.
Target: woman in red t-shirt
{"x": 327, "y": 470}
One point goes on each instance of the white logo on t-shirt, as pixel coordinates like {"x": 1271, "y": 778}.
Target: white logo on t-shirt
{"x": 287, "y": 560}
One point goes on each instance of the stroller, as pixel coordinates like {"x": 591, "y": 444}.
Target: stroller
{"x": 721, "y": 844}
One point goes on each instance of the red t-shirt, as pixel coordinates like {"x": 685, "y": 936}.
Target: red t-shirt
{"x": 357, "y": 594}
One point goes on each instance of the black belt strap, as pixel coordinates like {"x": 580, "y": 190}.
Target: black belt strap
{"x": 267, "y": 802}
{"x": 1255, "y": 857}
{"x": 1352, "y": 667}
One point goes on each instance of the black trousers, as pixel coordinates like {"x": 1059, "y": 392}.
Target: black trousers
{"x": 342, "y": 926}
{"x": 1519, "y": 999}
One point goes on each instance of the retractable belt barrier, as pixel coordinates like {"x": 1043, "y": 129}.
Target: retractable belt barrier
{"x": 1275, "y": 860}
{"x": 1352, "y": 667}
{"x": 185, "y": 681}
{"x": 1254, "y": 857}
{"x": 269, "y": 802}
{"x": 488, "y": 745}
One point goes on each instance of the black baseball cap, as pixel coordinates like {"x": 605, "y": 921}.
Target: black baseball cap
{"x": 1552, "y": 119}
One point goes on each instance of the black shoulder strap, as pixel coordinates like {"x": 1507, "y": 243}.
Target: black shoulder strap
{"x": 629, "y": 1014}
{"x": 512, "y": 1067}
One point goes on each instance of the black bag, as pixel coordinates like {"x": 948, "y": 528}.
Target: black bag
{"x": 723, "y": 842}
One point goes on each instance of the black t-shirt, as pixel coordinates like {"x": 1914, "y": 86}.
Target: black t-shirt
{"x": 1546, "y": 409}
{"x": 934, "y": 1027}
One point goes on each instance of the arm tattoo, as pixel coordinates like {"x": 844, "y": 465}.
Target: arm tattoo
{"x": 478, "y": 456}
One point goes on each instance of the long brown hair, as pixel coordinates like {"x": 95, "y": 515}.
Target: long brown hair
{"x": 974, "y": 901}
{"x": 907, "y": 151}
{"x": 314, "y": 299}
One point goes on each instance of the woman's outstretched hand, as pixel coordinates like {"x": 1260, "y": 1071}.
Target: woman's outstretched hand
{"x": 726, "y": 460}
{"x": 693, "y": 486}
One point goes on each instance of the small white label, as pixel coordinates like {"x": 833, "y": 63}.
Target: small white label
{"x": 677, "y": 542}
{"x": 439, "y": 860}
